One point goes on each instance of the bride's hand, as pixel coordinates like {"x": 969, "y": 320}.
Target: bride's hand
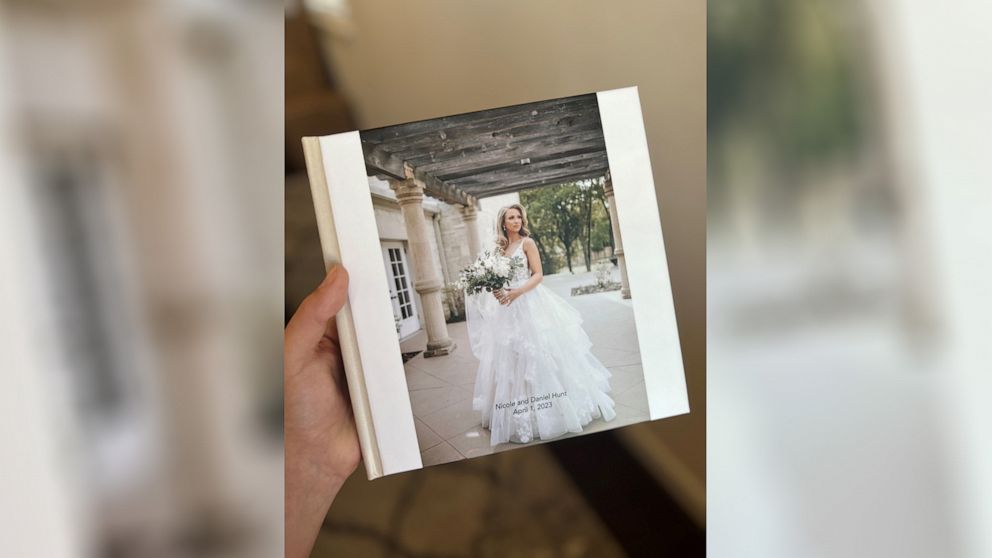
{"x": 509, "y": 296}
{"x": 503, "y": 296}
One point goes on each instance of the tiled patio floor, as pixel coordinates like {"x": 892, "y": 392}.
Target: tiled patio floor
{"x": 441, "y": 387}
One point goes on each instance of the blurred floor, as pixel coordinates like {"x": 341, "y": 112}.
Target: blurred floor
{"x": 512, "y": 504}
{"x": 575, "y": 498}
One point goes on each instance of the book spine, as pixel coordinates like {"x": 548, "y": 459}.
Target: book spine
{"x": 348, "y": 340}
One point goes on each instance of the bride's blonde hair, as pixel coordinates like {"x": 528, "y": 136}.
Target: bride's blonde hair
{"x": 501, "y": 240}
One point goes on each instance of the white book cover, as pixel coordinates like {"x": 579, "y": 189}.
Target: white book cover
{"x": 509, "y": 284}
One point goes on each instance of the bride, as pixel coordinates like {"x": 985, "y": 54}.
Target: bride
{"x": 537, "y": 377}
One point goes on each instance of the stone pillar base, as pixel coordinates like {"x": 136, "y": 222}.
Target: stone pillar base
{"x": 439, "y": 351}
{"x": 625, "y": 293}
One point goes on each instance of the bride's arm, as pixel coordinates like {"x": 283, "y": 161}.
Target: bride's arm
{"x": 537, "y": 272}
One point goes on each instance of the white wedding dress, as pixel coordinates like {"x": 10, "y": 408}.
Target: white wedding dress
{"x": 537, "y": 377}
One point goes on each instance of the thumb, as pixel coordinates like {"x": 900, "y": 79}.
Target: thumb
{"x": 307, "y": 326}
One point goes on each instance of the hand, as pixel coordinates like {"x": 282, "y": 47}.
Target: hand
{"x": 508, "y": 296}
{"x": 321, "y": 443}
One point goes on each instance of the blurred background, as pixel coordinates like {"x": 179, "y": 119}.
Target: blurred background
{"x": 140, "y": 337}
{"x": 846, "y": 279}
{"x": 846, "y": 310}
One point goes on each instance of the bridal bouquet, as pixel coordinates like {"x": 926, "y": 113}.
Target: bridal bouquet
{"x": 491, "y": 272}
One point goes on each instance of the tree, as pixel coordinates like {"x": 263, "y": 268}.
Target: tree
{"x": 570, "y": 216}
{"x": 537, "y": 215}
{"x": 555, "y": 213}
{"x": 602, "y": 232}
{"x": 567, "y": 217}
{"x": 590, "y": 192}
{"x": 586, "y": 200}
{"x": 609, "y": 221}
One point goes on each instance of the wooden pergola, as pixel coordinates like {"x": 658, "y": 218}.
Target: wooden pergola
{"x": 463, "y": 158}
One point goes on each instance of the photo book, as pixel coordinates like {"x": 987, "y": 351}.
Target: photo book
{"x": 509, "y": 284}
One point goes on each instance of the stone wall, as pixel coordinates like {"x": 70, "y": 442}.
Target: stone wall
{"x": 390, "y": 226}
{"x": 455, "y": 240}
{"x": 448, "y": 238}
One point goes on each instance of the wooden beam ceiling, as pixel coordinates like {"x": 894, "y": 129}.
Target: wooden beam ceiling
{"x": 497, "y": 150}
{"x": 547, "y": 181}
{"x": 378, "y": 161}
{"x": 504, "y": 131}
{"x": 535, "y": 170}
{"x": 465, "y": 157}
{"x": 427, "y": 127}
{"x": 446, "y": 192}
{"x": 477, "y": 165}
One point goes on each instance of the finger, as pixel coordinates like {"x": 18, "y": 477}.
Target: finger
{"x": 315, "y": 315}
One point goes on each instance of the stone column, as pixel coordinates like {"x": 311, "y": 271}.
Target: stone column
{"x": 410, "y": 194}
{"x": 615, "y": 223}
{"x": 469, "y": 218}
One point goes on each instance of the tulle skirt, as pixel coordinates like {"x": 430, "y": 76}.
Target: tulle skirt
{"x": 537, "y": 377}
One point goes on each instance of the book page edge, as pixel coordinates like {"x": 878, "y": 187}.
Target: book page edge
{"x": 348, "y": 340}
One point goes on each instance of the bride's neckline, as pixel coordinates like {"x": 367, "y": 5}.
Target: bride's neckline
{"x": 511, "y": 252}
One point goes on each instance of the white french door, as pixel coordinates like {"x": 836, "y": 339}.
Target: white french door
{"x": 400, "y": 287}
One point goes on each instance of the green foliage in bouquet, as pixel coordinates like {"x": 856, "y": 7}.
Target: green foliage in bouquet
{"x": 491, "y": 272}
